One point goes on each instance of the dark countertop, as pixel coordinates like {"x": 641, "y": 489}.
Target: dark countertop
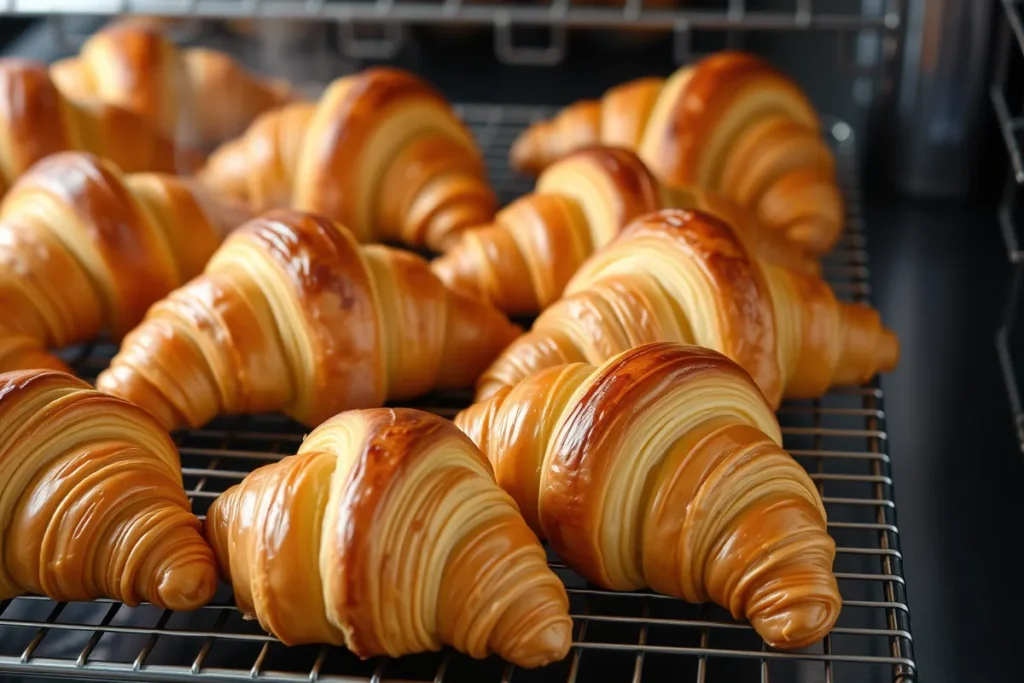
{"x": 940, "y": 277}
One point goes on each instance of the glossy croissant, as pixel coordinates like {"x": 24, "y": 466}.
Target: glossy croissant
{"x": 382, "y": 152}
{"x": 729, "y": 123}
{"x": 91, "y": 499}
{"x": 663, "y": 467}
{"x": 522, "y": 262}
{"x": 85, "y": 248}
{"x": 685, "y": 276}
{"x": 36, "y": 121}
{"x": 386, "y": 533}
{"x": 197, "y": 95}
{"x": 293, "y": 315}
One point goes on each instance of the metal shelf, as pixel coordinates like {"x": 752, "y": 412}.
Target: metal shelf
{"x": 724, "y": 14}
{"x": 638, "y": 637}
{"x": 1009, "y": 56}
{"x": 1009, "y": 53}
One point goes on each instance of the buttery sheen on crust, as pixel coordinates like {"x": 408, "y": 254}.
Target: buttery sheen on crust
{"x": 522, "y": 262}
{"x": 91, "y": 500}
{"x": 293, "y": 315}
{"x": 729, "y": 123}
{"x": 663, "y": 467}
{"x": 685, "y": 276}
{"x": 85, "y": 248}
{"x": 381, "y": 152}
{"x": 199, "y": 96}
{"x": 37, "y": 121}
{"x": 387, "y": 534}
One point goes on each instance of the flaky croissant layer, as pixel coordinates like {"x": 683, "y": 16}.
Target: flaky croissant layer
{"x": 685, "y": 276}
{"x": 663, "y": 468}
{"x": 197, "y": 95}
{"x": 386, "y": 533}
{"x": 381, "y": 152}
{"x": 91, "y": 500}
{"x": 293, "y": 315}
{"x": 729, "y": 123}
{"x": 36, "y": 120}
{"x": 85, "y": 248}
{"x": 522, "y": 262}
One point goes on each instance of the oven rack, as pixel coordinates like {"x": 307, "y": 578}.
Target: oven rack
{"x": 642, "y": 14}
{"x": 376, "y": 29}
{"x": 1008, "y": 103}
{"x": 637, "y": 637}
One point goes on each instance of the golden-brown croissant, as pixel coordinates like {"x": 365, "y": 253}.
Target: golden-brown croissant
{"x": 198, "y": 96}
{"x": 684, "y": 276}
{"x": 382, "y": 152}
{"x": 36, "y": 121}
{"x": 85, "y": 248}
{"x": 293, "y": 315}
{"x": 729, "y": 123}
{"x": 91, "y": 500}
{"x": 663, "y": 467}
{"x": 386, "y": 533}
{"x": 522, "y": 262}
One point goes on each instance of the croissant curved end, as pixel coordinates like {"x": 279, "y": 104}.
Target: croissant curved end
{"x": 550, "y": 644}
{"x": 187, "y": 583}
{"x": 522, "y": 152}
{"x": 796, "y": 626}
{"x": 888, "y": 351}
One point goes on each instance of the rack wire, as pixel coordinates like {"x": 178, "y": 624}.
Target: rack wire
{"x": 376, "y": 28}
{"x": 637, "y": 637}
{"x": 1008, "y": 103}
{"x": 645, "y": 14}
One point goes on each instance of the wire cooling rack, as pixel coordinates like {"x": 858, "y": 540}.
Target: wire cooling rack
{"x": 1006, "y": 93}
{"x": 636, "y": 637}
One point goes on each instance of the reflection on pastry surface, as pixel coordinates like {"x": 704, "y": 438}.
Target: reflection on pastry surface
{"x": 293, "y": 315}
{"x": 523, "y": 260}
{"x": 386, "y": 533}
{"x": 85, "y": 249}
{"x": 91, "y": 499}
{"x": 685, "y": 276}
{"x": 381, "y": 151}
{"x": 663, "y": 467}
{"x": 729, "y": 123}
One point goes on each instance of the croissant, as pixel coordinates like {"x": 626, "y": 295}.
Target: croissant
{"x": 36, "y": 121}
{"x": 293, "y": 315}
{"x": 91, "y": 499}
{"x": 197, "y": 95}
{"x": 684, "y": 276}
{"x": 386, "y": 533}
{"x": 729, "y": 123}
{"x": 85, "y": 248}
{"x": 663, "y": 467}
{"x": 522, "y": 262}
{"x": 382, "y": 152}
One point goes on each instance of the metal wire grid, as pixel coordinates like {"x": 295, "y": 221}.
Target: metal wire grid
{"x": 1007, "y": 101}
{"x": 375, "y": 29}
{"x": 646, "y": 14}
{"x": 637, "y": 637}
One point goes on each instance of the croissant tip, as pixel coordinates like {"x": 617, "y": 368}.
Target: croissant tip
{"x": 888, "y": 351}
{"x": 797, "y": 626}
{"x": 550, "y": 644}
{"x": 522, "y": 155}
{"x": 189, "y": 585}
